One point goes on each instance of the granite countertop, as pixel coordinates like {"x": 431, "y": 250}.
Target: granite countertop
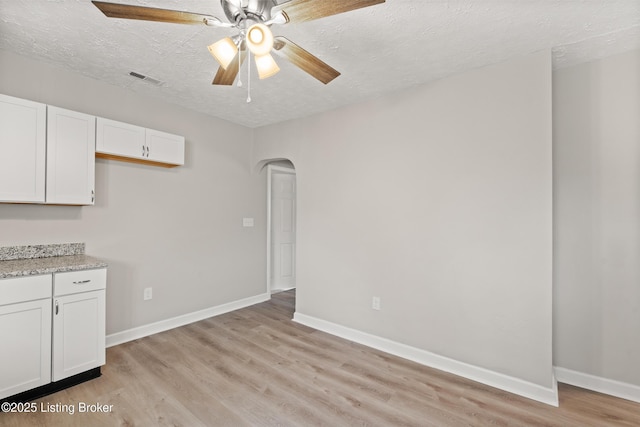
{"x": 58, "y": 264}
{"x": 17, "y": 261}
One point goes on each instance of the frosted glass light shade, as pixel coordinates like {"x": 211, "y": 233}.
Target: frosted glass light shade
{"x": 259, "y": 39}
{"x": 266, "y": 66}
{"x": 224, "y": 51}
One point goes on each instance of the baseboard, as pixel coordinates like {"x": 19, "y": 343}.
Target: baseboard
{"x": 53, "y": 387}
{"x": 475, "y": 373}
{"x": 601, "y": 385}
{"x": 277, "y": 291}
{"x": 185, "y": 319}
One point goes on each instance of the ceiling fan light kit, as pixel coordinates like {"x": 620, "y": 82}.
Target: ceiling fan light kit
{"x": 224, "y": 51}
{"x": 252, "y": 19}
{"x": 266, "y": 66}
{"x": 259, "y": 39}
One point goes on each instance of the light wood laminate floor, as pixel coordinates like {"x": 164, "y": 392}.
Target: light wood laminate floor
{"x": 256, "y": 367}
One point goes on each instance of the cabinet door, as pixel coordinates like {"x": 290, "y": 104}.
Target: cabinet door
{"x": 78, "y": 333}
{"x": 165, "y": 147}
{"x": 25, "y": 353}
{"x": 22, "y": 150}
{"x": 120, "y": 139}
{"x": 71, "y": 141}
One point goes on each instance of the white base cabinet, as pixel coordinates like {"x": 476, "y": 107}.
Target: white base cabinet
{"x": 45, "y": 339}
{"x": 25, "y": 328}
{"x": 78, "y": 322}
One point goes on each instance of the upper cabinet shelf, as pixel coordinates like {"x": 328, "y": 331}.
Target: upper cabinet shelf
{"x": 131, "y": 143}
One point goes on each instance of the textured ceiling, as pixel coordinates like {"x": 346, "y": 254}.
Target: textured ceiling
{"x": 378, "y": 50}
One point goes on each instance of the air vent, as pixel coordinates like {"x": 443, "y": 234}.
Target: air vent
{"x": 146, "y": 78}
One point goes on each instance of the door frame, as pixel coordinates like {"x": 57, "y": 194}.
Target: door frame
{"x": 272, "y": 170}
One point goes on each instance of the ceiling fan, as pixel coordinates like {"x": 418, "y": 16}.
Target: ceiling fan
{"x": 252, "y": 20}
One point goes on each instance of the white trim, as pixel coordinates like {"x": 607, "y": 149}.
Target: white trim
{"x": 277, "y": 291}
{"x": 271, "y": 169}
{"x": 494, "y": 379}
{"x": 601, "y": 385}
{"x": 269, "y": 172}
{"x": 185, "y": 319}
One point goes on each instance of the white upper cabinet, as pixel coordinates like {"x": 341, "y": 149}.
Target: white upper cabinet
{"x": 45, "y": 147}
{"x": 120, "y": 139}
{"x": 47, "y": 153}
{"x": 22, "y": 150}
{"x": 126, "y": 142}
{"x": 71, "y": 141}
{"x": 165, "y": 147}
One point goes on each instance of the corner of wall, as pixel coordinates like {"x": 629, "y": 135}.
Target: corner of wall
{"x": 513, "y": 385}
{"x": 598, "y": 384}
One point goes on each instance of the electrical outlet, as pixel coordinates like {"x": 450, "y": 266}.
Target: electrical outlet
{"x": 375, "y": 303}
{"x": 148, "y": 294}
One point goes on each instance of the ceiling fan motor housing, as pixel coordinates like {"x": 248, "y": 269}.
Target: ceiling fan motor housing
{"x": 239, "y": 10}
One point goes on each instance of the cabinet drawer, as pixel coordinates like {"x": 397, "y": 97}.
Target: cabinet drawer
{"x": 28, "y": 288}
{"x": 79, "y": 281}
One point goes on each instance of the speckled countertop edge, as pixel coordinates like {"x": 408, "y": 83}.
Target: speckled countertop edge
{"x": 68, "y": 259}
{"x": 8, "y": 253}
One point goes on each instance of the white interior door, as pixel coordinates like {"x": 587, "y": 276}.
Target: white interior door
{"x": 283, "y": 231}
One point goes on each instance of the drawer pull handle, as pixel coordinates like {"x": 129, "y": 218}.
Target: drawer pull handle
{"x": 82, "y": 282}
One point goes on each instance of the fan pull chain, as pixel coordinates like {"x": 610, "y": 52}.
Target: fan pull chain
{"x": 239, "y": 68}
{"x": 249, "y": 77}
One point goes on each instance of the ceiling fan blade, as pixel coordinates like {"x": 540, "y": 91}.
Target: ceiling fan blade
{"x": 114, "y": 10}
{"x": 227, "y": 77}
{"x": 307, "y": 10}
{"x": 304, "y": 60}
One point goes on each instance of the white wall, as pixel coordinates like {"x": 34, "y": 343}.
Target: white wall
{"x": 597, "y": 218}
{"x": 435, "y": 199}
{"x": 438, "y": 200}
{"x": 176, "y": 230}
